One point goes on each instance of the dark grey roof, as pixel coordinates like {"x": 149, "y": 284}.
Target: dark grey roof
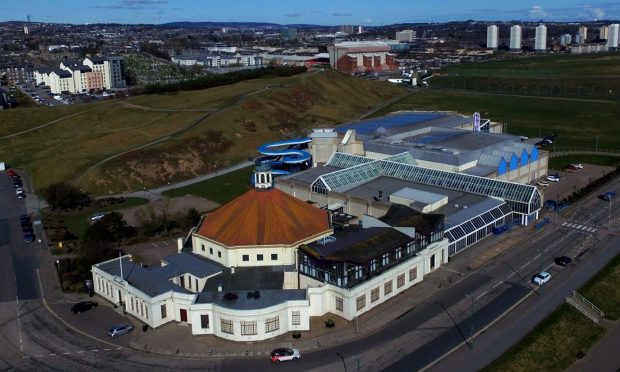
{"x": 249, "y": 278}
{"x": 310, "y": 175}
{"x": 61, "y": 73}
{"x": 190, "y": 263}
{"x": 466, "y": 211}
{"x": 156, "y": 280}
{"x": 147, "y": 280}
{"x": 247, "y": 300}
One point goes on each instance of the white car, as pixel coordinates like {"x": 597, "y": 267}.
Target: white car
{"x": 97, "y": 216}
{"x": 284, "y": 354}
{"x": 543, "y": 183}
{"x": 541, "y": 278}
{"x": 577, "y": 165}
{"x": 19, "y": 190}
{"x": 524, "y": 138}
{"x": 553, "y": 178}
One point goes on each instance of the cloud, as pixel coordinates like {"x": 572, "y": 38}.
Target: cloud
{"x": 292, "y": 15}
{"x": 133, "y": 4}
{"x": 597, "y": 13}
{"x": 336, "y": 14}
{"x": 536, "y": 12}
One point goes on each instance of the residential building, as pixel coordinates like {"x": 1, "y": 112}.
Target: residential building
{"x": 347, "y": 29}
{"x": 112, "y": 69}
{"x": 612, "y": 40}
{"x": 566, "y": 39}
{"x": 405, "y": 36}
{"x": 515, "y": 37}
{"x": 540, "y": 41}
{"x": 604, "y": 33}
{"x": 492, "y": 37}
{"x": 583, "y": 32}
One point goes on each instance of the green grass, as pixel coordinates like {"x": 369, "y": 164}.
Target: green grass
{"x": 603, "y": 290}
{"x": 577, "y": 124}
{"x": 561, "y": 162}
{"x": 78, "y": 221}
{"x": 221, "y": 189}
{"x": 552, "y": 345}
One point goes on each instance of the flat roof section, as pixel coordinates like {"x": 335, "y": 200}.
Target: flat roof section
{"x": 419, "y": 195}
{"x": 390, "y": 122}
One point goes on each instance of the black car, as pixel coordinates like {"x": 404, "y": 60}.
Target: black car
{"x": 17, "y": 184}
{"x": 28, "y": 237}
{"x": 563, "y": 260}
{"x": 83, "y": 306}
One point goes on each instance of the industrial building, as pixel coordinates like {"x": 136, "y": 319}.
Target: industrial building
{"x": 361, "y": 56}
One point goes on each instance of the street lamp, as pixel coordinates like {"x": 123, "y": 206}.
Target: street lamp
{"x": 358, "y": 362}
{"x": 40, "y": 244}
{"x": 343, "y": 362}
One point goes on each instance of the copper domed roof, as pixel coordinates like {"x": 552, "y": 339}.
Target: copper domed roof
{"x": 264, "y": 217}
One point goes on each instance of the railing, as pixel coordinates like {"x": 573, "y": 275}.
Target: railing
{"x": 585, "y": 301}
{"x": 584, "y": 311}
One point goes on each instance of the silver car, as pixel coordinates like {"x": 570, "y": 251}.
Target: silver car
{"x": 119, "y": 330}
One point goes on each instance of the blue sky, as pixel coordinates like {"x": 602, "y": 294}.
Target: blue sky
{"x": 325, "y": 12}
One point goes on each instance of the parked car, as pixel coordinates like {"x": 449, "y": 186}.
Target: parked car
{"x": 541, "y": 278}
{"x": 83, "y": 306}
{"x": 609, "y": 195}
{"x": 119, "y": 330}
{"x": 97, "y": 216}
{"x": 19, "y": 190}
{"x": 28, "y": 237}
{"x": 577, "y": 165}
{"x": 24, "y": 218}
{"x": 563, "y": 260}
{"x": 553, "y": 178}
{"x": 284, "y": 354}
{"x": 11, "y": 172}
{"x": 543, "y": 183}
{"x": 524, "y": 138}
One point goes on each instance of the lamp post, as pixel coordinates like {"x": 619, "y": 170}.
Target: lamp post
{"x": 40, "y": 248}
{"x": 343, "y": 362}
{"x": 358, "y": 362}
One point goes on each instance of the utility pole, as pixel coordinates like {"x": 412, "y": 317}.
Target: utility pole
{"x": 343, "y": 362}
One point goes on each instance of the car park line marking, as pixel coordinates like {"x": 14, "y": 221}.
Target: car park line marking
{"x": 536, "y": 257}
{"x": 525, "y": 264}
{"x": 80, "y": 352}
{"x": 67, "y": 353}
{"x": 107, "y": 349}
{"x": 511, "y": 274}
{"x": 154, "y": 245}
{"x": 498, "y": 283}
{"x": 95, "y": 350}
{"x": 481, "y": 294}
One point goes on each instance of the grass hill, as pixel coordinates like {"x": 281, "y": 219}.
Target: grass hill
{"x": 185, "y": 133}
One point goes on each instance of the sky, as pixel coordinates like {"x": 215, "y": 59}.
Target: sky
{"x": 322, "y": 12}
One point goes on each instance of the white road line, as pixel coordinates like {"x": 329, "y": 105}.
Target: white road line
{"x": 118, "y": 348}
{"x": 95, "y": 350}
{"x": 579, "y": 226}
{"x": 511, "y": 274}
{"x": 80, "y": 352}
{"x": 482, "y": 294}
{"x": 565, "y": 223}
{"x": 107, "y": 349}
{"x": 67, "y": 353}
{"x": 537, "y": 256}
{"x": 525, "y": 264}
{"x": 154, "y": 245}
{"x": 498, "y": 283}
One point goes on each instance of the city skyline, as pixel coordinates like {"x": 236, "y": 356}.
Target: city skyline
{"x": 319, "y": 12}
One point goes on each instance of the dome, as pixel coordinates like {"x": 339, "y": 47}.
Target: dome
{"x": 264, "y": 217}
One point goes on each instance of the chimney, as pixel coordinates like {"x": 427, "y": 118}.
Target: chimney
{"x": 179, "y": 244}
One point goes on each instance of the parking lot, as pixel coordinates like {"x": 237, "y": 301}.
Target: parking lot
{"x": 42, "y": 95}
{"x": 571, "y": 181}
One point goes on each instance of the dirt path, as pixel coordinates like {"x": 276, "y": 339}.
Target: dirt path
{"x": 170, "y": 205}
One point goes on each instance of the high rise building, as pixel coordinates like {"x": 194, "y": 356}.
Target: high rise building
{"x": 565, "y": 39}
{"x": 347, "y": 29}
{"x": 515, "y": 37}
{"x": 492, "y": 37}
{"x": 604, "y": 33}
{"x": 360, "y": 29}
{"x": 583, "y": 31}
{"x": 579, "y": 39}
{"x": 405, "y": 36}
{"x": 540, "y": 42}
{"x": 612, "y": 40}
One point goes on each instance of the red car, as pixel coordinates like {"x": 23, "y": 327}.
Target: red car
{"x": 11, "y": 172}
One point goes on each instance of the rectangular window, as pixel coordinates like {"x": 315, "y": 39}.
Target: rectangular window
{"x": 387, "y": 288}
{"x": 274, "y": 257}
{"x": 400, "y": 280}
{"x": 374, "y": 295}
{"x": 227, "y": 326}
{"x": 413, "y": 274}
{"x": 296, "y": 318}
{"x": 196, "y": 282}
{"x": 259, "y": 257}
{"x": 163, "y": 312}
{"x": 203, "y": 247}
{"x": 361, "y": 302}
{"x": 210, "y": 250}
{"x": 204, "y": 321}
{"x": 245, "y": 257}
{"x": 339, "y": 304}
{"x": 248, "y": 328}
{"x": 272, "y": 324}
{"x": 219, "y": 254}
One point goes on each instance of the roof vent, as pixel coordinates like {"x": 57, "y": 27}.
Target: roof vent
{"x": 456, "y": 205}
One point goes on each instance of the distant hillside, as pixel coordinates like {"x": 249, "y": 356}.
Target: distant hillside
{"x": 194, "y": 132}
{"x": 259, "y": 25}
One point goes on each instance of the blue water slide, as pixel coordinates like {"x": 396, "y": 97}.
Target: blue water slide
{"x": 284, "y": 152}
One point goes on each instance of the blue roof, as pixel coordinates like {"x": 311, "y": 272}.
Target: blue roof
{"x": 390, "y": 121}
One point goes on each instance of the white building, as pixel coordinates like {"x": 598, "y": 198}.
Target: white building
{"x": 405, "y": 36}
{"x": 583, "y": 31}
{"x": 492, "y": 37}
{"x": 566, "y": 39}
{"x": 515, "y": 37}
{"x": 612, "y": 41}
{"x": 604, "y": 33}
{"x": 111, "y": 67}
{"x": 540, "y": 41}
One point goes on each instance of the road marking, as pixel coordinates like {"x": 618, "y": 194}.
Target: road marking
{"x": 95, "y": 350}
{"x": 498, "y": 283}
{"x": 511, "y": 274}
{"x": 107, "y": 349}
{"x": 482, "y": 294}
{"x": 536, "y": 257}
{"x": 525, "y": 264}
{"x": 67, "y": 353}
{"x": 80, "y": 352}
{"x": 154, "y": 245}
